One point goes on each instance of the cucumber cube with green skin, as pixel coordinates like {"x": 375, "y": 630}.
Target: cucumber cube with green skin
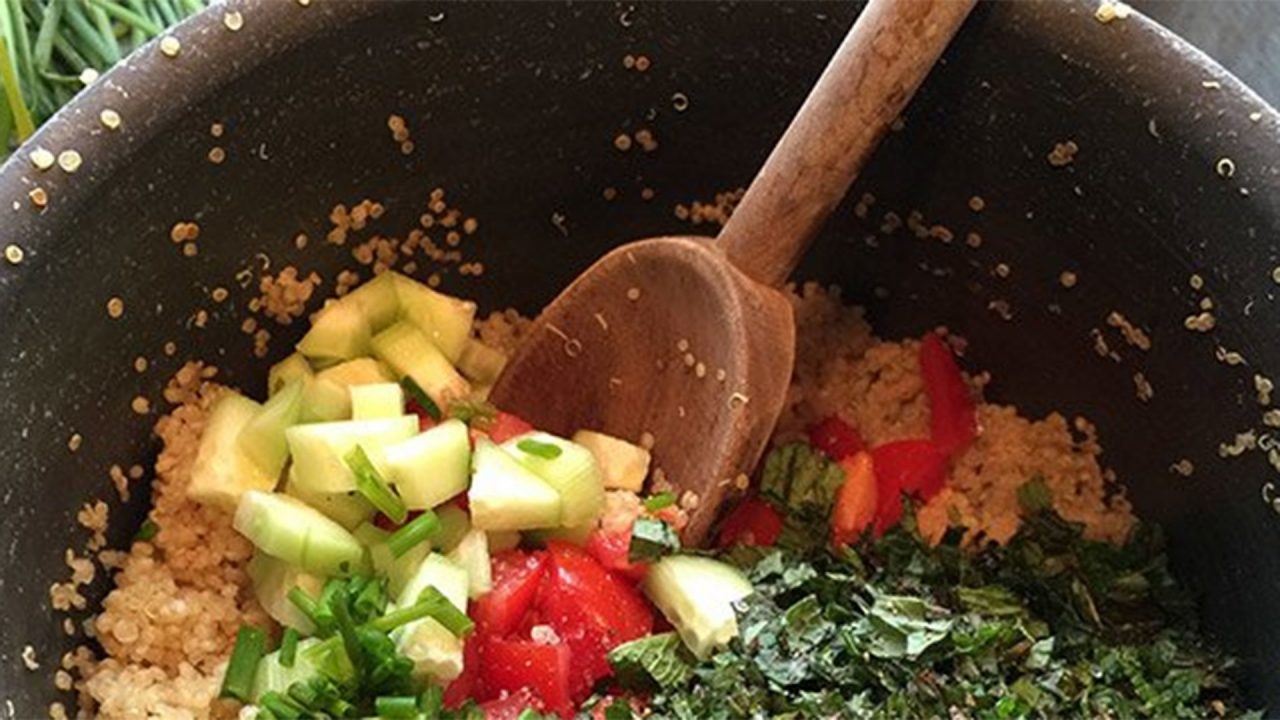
{"x": 357, "y": 371}
{"x": 432, "y": 467}
{"x": 472, "y": 555}
{"x": 397, "y": 570}
{"x": 324, "y": 401}
{"x": 506, "y": 495}
{"x": 291, "y": 530}
{"x": 348, "y": 509}
{"x": 411, "y": 354}
{"x": 222, "y": 472}
{"x": 338, "y": 332}
{"x": 377, "y": 300}
{"x": 262, "y": 438}
{"x": 454, "y": 525}
{"x": 379, "y": 400}
{"x": 319, "y": 449}
{"x": 272, "y": 579}
{"x": 272, "y": 676}
{"x": 625, "y": 465}
{"x": 294, "y": 367}
{"x": 480, "y": 363}
{"x": 436, "y": 653}
{"x": 696, "y": 594}
{"x": 570, "y": 468}
{"x": 445, "y": 320}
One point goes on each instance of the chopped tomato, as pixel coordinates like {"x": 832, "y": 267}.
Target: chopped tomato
{"x": 506, "y": 426}
{"x": 836, "y": 438}
{"x": 516, "y": 577}
{"x": 511, "y": 706}
{"x": 752, "y": 522}
{"x": 855, "y": 504}
{"x": 953, "y": 420}
{"x": 613, "y": 550}
{"x": 467, "y": 685}
{"x": 514, "y": 665}
{"x": 912, "y": 467}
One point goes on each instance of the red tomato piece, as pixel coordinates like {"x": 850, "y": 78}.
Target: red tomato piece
{"x": 855, "y": 504}
{"x": 613, "y": 550}
{"x": 516, "y": 577}
{"x": 506, "y": 426}
{"x": 514, "y": 665}
{"x": 912, "y": 467}
{"x": 836, "y": 438}
{"x": 510, "y": 707}
{"x": 752, "y": 522}
{"x": 467, "y": 686}
{"x": 953, "y": 419}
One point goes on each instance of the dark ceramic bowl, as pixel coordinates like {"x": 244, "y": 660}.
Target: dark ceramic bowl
{"x": 513, "y": 108}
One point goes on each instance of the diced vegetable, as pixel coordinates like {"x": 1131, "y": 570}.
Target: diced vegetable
{"x": 612, "y": 549}
{"x": 251, "y": 644}
{"x": 751, "y": 522}
{"x": 374, "y": 488}
{"x": 435, "y": 651}
{"x": 377, "y": 300}
{"x": 324, "y": 401}
{"x": 272, "y": 579}
{"x": 294, "y": 367}
{"x": 291, "y": 530}
{"x": 566, "y": 466}
{"x": 696, "y": 594}
{"x": 397, "y": 570}
{"x": 410, "y": 353}
{"x": 952, "y": 418}
{"x": 912, "y": 467}
{"x": 454, "y": 524}
{"x": 262, "y": 438}
{"x": 446, "y": 321}
{"x": 506, "y": 495}
{"x": 516, "y": 578}
{"x": 339, "y": 331}
{"x": 379, "y": 400}
{"x": 221, "y": 473}
{"x": 319, "y": 449}
{"x": 514, "y": 665}
{"x": 358, "y": 371}
{"x": 418, "y": 531}
{"x": 348, "y": 509}
{"x": 836, "y": 438}
{"x": 472, "y": 555}
{"x": 625, "y": 465}
{"x": 432, "y": 467}
{"x": 480, "y": 363}
{"x": 275, "y": 676}
{"x": 651, "y": 539}
{"x": 855, "y": 506}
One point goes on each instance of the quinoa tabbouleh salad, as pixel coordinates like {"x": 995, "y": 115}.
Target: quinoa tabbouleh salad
{"x": 375, "y": 539}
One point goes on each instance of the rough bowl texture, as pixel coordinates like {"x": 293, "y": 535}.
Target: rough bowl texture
{"x": 515, "y": 107}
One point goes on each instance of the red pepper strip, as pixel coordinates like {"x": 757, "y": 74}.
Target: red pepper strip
{"x": 752, "y": 522}
{"x": 954, "y": 422}
{"x": 836, "y": 438}
{"x": 912, "y": 467}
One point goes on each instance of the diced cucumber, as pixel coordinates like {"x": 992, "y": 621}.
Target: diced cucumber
{"x": 324, "y": 401}
{"x": 481, "y": 363}
{"x": 472, "y": 555}
{"x": 294, "y": 367}
{"x": 262, "y": 438}
{"x": 625, "y": 465}
{"x": 348, "y": 509}
{"x": 357, "y": 371}
{"x": 318, "y": 449}
{"x": 272, "y": 579}
{"x": 410, "y": 354}
{"x": 377, "y": 300}
{"x": 696, "y": 594}
{"x": 445, "y": 320}
{"x": 221, "y": 471}
{"x": 500, "y": 540}
{"x": 272, "y": 676}
{"x": 454, "y": 524}
{"x": 570, "y": 468}
{"x": 291, "y": 530}
{"x": 397, "y": 570}
{"x": 339, "y": 331}
{"x": 436, "y": 653}
{"x": 380, "y": 400}
{"x": 506, "y": 495}
{"x": 432, "y": 467}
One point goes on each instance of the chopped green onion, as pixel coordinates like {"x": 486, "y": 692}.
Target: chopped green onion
{"x": 317, "y": 612}
{"x": 431, "y": 702}
{"x": 371, "y": 600}
{"x": 347, "y": 631}
{"x": 288, "y": 647}
{"x": 147, "y": 531}
{"x": 651, "y": 539}
{"x": 421, "y": 397}
{"x": 473, "y": 412}
{"x": 414, "y": 532}
{"x": 396, "y": 706}
{"x": 431, "y": 603}
{"x": 250, "y": 645}
{"x": 654, "y": 503}
{"x": 373, "y": 487}
{"x": 546, "y": 451}
{"x": 281, "y": 706}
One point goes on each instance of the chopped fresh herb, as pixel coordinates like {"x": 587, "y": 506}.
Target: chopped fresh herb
{"x": 396, "y": 706}
{"x": 281, "y": 706}
{"x": 251, "y": 644}
{"x": 420, "y": 396}
{"x": 431, "y": 603}
{"x": 537, "y": 448}
{"x": 1034, "y": 496}
{"x": 317, "y": 612}
{"x": 651, "y": 539}
{"x": 473, "y": 412}
{"x": 147, "y": 531}
{"x": 413, "y": 533}
{"x": 803, "y": 482}
{"x": 662, "y": 500}
{"x": 370, "y": 484}
{"x": 431, "y": 702}
{"x": 661, "y": 660}
{"x": 288, "y": 647}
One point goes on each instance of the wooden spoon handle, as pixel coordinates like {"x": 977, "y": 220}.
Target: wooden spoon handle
{"x": 876, "y": 70}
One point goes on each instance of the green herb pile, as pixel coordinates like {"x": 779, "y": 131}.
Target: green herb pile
{"x": 1050, "y": 626}
{"x": 46, "y": 46}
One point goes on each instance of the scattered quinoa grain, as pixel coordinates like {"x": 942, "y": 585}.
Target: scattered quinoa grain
{"x": 140, "y": 364}
{"x": 115, "y": 308}
{"x": 1143, "y": 387}
{"x": 42, "y": 159}
{"x": 1225, "y": 167}
{"x": 13, "y": 254}
{"x": 1003, "y": 270}
{"x": 646, "y": 194}
{"x": 1068, "y": 279}
{"x": 1263, "y": 387}
{"x": 217, "y": 155}
{"x": 110, "y": 119}
{"x": 74, "y": 442}
{"x": 1183, "y": 467}
{"x": 140, "y": 405}
{"x": 29, "y": 658}
{"x": 976, "y": 203}
{"x": 680, "y": 102}
{"x": 39, "y": 197}
{"x": 219, "y": 294}
{"x": 1063, "y": 153}
{"x": 170, "y": 348}
{"x": 622, "y": 142}
{"x": 170, "y": 46}
{"x": 973, "y": 240}
{"x": 1202, "y": 322}
{"x": 233, "y": 20}
{"x": 69, "y": 161}
{"x": 633, "y": 294}
{"x": 642, "y": 63}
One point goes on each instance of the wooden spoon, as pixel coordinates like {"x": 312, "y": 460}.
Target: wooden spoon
{"x": 684, "y": 344}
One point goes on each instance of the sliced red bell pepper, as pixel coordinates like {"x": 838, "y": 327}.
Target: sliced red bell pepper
{"x": 613, "y": 550}
{"x": 543, "y": 669}
{"x": 517, "y": 576}
{"x": 506, "y": 426}
{"x": 752, "y": 522}
{"x": 836, "y": 438}
{"x": 911, "y": 467}
{"x": 856, "y": 500}
{"x": 953, "y": 419}
{"x": 511, "y": 706}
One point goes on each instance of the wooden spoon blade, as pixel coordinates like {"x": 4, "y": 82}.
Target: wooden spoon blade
{"x": 662, "y": 338}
